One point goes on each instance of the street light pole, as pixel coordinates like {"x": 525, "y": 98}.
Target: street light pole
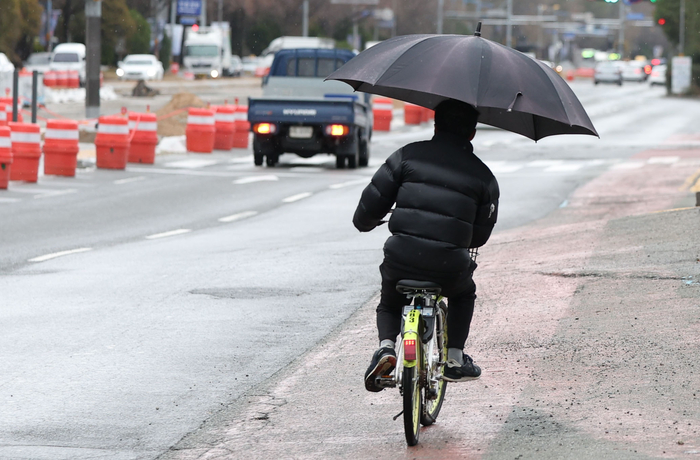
{"x": 509, "y": 26}
{"x": 441, "y": 5}
{"x": 621, "y": 32}
{"x": 93, "y": 26}
{"x": 681, "y": 33}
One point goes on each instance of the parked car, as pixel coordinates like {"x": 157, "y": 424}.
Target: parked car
{"x": 236, "y": 66}
{"x": 38, "y": 61}
{"x": 140, "y": 67}
{"x": 250, "y": 63}
{"x": 658, "y": 75}
{"x": 5, "y": 64}
{"x": 607, "y": 72}
{"x": 69, "y": 56}
{"x": 634, "y": 71}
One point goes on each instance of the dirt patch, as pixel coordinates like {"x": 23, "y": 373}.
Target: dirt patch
{"x": 175, "y": 125}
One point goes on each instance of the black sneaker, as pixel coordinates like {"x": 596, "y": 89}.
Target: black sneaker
{"x": 383, "y": 362}
{"x": 454, "y": 372}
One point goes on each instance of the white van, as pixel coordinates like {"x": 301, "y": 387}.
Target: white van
{"x": 69, "y": 56}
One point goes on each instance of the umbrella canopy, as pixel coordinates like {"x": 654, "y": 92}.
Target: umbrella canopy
{"x": 509, "y": 89}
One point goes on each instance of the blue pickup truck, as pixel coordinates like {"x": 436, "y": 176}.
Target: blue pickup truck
{"x": 302, "y": 114}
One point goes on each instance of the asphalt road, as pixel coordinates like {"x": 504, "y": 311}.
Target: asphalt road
{"x": 186, "y": 283}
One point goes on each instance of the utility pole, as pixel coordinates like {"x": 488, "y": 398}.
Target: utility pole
{"x": 441, "y": 5}
{"x": 305, "y": 19}
{"x": 203, "y": 14}
{"x": 394, "y": 6}
{"x": 621, "y": 31}
{"x": 221, "y": 10}
{"x": 93, "y": 25}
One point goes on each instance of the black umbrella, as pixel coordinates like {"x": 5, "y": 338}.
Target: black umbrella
{"x": 509, "y": 89}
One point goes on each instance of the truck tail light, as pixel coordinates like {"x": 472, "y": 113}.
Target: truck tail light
{"x": 264, "y": 128}
{"x": 337, "y": 130}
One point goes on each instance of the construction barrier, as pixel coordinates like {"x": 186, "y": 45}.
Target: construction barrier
{"x": 3, "y": 115}
{"x": 242, "y": 133}
{"x": 412, "y": 114}
{"x": 200, "y": 132}
{"x": 50, "y": 78}
{"x": 5, "y": 157}
{"x": 8, "y": 109}
{"x": 73, "y": 79}
{"x": 61, "y": 147}
{"x": 62, "y": 78}
{"x": 144, "y": 138}
{"x": 26, "y": 151}
{"x": 225, "y": 124}
{"x": 112, "y": 142}
{"x": 427, "y": 115}
{"x": 382, "y": 110}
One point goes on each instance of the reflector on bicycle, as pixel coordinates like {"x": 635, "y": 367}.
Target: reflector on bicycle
{"x": 409, "y": 349}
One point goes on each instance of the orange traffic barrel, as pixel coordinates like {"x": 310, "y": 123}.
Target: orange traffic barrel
{"x": 3, "y": 115}
{"x": 200, "y": 130}
{"x": 112, "y": 142}
{"x": 425, "y": 115}
{"x": 26, "y": 151}
{"x": 50, "y": 78}
{"x": 225, "y": 124}
{"x": 62, "y": 78}
{"x": 382, "y": 111}
{"x": 412, "y": 114}
{"x": 73, "y": 79}
{"x": 144, "y": 137}
{"x": 8, "y": 109}
{"x": 61, "y": 147}
{"x": 242, "y": 133}
{"x": 5, "y": 157}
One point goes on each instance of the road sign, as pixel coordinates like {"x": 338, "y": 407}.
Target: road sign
{"x": 681, "y": 73}
{"x": 189, "y": 7}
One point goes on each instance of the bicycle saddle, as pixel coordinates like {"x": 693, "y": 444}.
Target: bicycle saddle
{"x": 411, "y": 286}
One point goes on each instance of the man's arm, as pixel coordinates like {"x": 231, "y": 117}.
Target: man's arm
{"x": 380, "y": 195}
{"x": 486, "y": 215}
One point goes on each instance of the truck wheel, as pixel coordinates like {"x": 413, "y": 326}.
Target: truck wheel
{"x": 354, "y": 156}
{"x": 271, "y": 159}
{"x": 364, "y": 153}
{"x": 352, "y": 160}
{"x": 258, "y": 159}
{"x": 339, "y": 161}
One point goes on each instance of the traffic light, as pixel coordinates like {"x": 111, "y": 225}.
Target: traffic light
{"x": 661, "y": 21}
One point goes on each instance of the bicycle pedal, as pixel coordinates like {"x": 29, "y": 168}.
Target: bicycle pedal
{"x": 386, "y": 381}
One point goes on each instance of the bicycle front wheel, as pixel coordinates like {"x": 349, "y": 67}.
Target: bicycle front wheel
{"x": 411, "y": 405}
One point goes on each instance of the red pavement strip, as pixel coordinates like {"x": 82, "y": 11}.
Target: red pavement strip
{"x": 585, "y": 330}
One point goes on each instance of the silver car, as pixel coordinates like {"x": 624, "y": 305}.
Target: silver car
{"x": 607, "y": 72}
{"x": 658, "y": 75}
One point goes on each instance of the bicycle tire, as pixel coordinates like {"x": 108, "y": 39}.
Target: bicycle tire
{"x": 431, "y": 407}
{"x": 411, "y": 405}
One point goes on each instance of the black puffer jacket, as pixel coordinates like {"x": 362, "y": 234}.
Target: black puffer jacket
{"x": 446, "y": 202}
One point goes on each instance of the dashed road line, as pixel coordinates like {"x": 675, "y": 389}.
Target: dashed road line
{"x": 239, "y": 216}
{"x": 179, "y": 231}
{"x": 348, "y": 183}
{"x": 58, "y": 254}
{"x": 663, "y": 160}
{"x": 191, "y": 164}
{"x": 297, "y": 197}
{"x": 68, "y": 191}
{"x": 251, "y": 179}
{"x": 129, "y": 180}
{"x": 629, "y": 165}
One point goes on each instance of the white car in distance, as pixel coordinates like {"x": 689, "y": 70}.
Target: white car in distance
{"x": 140, "y": 67}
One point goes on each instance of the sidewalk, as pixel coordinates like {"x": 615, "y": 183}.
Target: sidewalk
{"x": 587, "y": 329}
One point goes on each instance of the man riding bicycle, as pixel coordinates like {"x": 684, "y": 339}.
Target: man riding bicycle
{"x": 446, "y": 202}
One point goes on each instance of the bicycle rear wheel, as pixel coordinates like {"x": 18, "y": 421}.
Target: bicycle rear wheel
{"x": 411, "y": 405}
{"x": 434, "y": 395}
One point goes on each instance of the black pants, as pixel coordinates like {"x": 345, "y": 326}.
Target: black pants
{"x": 460, "y": 291}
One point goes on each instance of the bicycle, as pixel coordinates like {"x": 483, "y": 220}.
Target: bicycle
{"x": 421, "y": 356}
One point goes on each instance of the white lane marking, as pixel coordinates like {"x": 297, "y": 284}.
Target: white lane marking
{"x": 628, "y": 165}
{"x": 59, "y": 254}
{"x": 663, "y": 160}
{"x": 251, "y": 179}
{"x": 57, "y": 193}
{"x": 307, "y": 169}
{"x": 9, "y": 200}
{"x": 348, "y": 184}
{"x": 246, "y": 159}
{"x": 300, "y": 196}
{"x": 191, "y": 164}
{"x": 544, "y": 163}
{"x": 564, "y": 167}
{"x": 239, "y": 216}
{"x": 179, "y": 231}
{"x": 129, "y": 179}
